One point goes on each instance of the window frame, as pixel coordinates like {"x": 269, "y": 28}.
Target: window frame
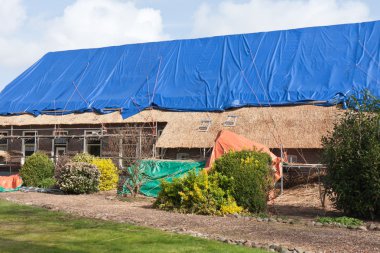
{"x": 4, "y": 133}
{"x": 88, "y": 134}
{"x": 35, "y": 144}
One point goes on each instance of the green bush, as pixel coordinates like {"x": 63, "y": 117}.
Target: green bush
{"x": 37, "y": 167}
{"x": 108, "y": 173}
{"x": 252, "y": 177}
{"x": 341, "y": 220}
{"x": 352, "y": 155}
{"x": 78, "y": 178}
{"x": 47, "y": 183}
{"x": 199, "y": 194}
{"x": 83, "y": 158}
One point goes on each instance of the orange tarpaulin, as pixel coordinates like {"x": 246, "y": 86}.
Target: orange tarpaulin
{"x": 228, "y": 141}
{"x": 10, "y": 183}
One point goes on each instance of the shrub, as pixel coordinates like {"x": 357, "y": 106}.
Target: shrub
{"x": 37, "y": 167}
{"x": 108, "y": 173}
{"x": 78, "y": 178}
{"x": 133, "y": 177}
{"x": 47, "y": 183}
{"x": 252, "y": 177}
{"x": 83, "y": 158}
{"x": 62, "y": 161}
{"x": 199, "y": 194}
{"x": 341, "y": 220}
{"x": 352, "y": 155}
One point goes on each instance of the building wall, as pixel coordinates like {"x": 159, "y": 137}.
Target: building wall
{"x": 109, "y": 146}
{"x": 311, "y": 156}
{"x": 193, "y": 153}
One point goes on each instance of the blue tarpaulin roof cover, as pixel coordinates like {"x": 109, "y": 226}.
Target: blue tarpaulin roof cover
{"x": 208, "y": 74}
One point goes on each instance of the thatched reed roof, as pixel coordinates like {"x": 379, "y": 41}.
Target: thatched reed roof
{"x": 291, "y": 126}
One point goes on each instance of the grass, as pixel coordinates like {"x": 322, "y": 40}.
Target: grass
{"x": 347, "y": 221}
{"x": 30, "y": 229}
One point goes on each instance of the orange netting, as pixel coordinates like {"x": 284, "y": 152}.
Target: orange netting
{"x": 228, "y": 141}
{"x": 10, "y": 182}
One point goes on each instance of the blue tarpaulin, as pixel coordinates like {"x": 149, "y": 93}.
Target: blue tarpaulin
{"x": 209, "y": 74}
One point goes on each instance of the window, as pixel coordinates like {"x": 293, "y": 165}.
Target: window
{"x": 60, "y": 143}
{"x": 93, "y": 142}
{"x": 292, "y": 158}
{"x": 205, "y": 125}
{"x": 182, "y": 156}
{"x": 231, "y": 121}
{"x": 3, "y": 141}
{"x": 29, "y": 143}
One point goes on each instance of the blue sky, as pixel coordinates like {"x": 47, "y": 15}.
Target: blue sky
{"x": 31, "y": 28}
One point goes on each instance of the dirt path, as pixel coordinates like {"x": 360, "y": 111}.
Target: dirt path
{"x": 140, "y": 212}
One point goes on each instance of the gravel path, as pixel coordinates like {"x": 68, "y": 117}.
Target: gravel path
{"x": 103, "y": 206}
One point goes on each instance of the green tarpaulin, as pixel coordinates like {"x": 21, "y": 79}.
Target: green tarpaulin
{"x": 155, "y": 170}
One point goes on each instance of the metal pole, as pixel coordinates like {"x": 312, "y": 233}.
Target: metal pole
{"x": 140, "y": 140}
{"x": 281, "y": 172}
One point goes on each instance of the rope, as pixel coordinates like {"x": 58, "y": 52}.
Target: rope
{"x": 261, "y": 82}
{"x": 258, "y": 101}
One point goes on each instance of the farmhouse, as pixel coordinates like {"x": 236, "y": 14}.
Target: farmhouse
{"x": 169, "y": 100}
{"x": 166, "y": 134}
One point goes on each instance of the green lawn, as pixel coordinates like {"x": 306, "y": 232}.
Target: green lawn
{"x": 30, "y": 229}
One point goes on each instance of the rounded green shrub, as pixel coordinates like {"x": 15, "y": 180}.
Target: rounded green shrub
{"x": 36, "y": 168}
{"x": 352, "y": 155}
{"x": 109, "y": 176}
{"x": 252, "y": 177}
{"x": 199, "y": 194}
{"x": 78, "y": 178}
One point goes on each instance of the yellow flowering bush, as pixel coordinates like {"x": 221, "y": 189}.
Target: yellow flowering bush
{"x": 108, "y": 173}
{"x": 197, "y": 193}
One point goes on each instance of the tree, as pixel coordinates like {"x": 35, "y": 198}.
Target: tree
{"x": 134, "y": 143}
{"x": 352, "y": 154}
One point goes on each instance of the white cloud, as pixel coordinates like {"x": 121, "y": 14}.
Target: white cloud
{"x": 266, "y": 15}
{"x": 83, "y": 24}
{"x": 16, "y": 53}
{"x": 12, "y": 15}
{"x": 94, "y": 23}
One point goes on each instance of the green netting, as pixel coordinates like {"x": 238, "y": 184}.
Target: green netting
{"x": 2, "y": 189}
{"x": 156, "y": 170}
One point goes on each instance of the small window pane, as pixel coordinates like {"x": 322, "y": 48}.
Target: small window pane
{"x": 93, "y": 150}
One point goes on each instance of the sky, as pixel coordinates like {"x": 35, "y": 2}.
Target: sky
{"x": 31, "y": 28}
